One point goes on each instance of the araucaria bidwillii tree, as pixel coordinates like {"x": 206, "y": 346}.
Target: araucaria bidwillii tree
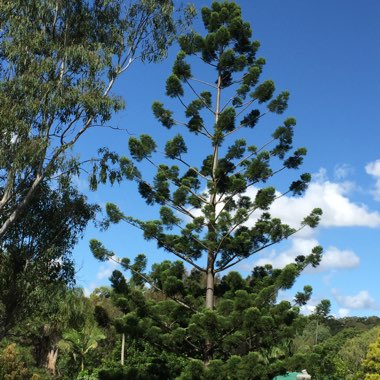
{"x": 221, "y": 224}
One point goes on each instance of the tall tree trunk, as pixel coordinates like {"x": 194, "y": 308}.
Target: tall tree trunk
{"x": 122, "y": 348}
{"x": 12, "y": 218}
{"x": 213, "y": 203}
{"x": 210, "y": 303}
{"x": 210, "y": 283}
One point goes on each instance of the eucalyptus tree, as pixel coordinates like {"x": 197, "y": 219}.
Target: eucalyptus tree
{"x": 35, "y": 256}
{"x": 215, "y": 212}
{"x": 59, "y": 60}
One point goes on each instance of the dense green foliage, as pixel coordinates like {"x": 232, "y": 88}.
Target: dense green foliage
{"x": 215, "y": 213}
{"x": 154, "y": 327}
{"x": 190, "y": 319}
{"x": 371, "y": 363}
{"x": 35, "y": 257}
{"x": 207, "y": 217}
{"x": 58, "y": 63}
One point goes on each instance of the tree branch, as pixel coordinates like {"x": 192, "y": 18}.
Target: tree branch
{"x": 204, "y": 82}
{"x": 227, "y": 265}
{"x": 136, "y": 223}
{"x": 152, "y": 284}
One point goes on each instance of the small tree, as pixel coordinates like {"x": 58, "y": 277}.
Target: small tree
{"x": 222, "y": 223}
{"x": 248, "y": 330}
{"x": 371, "y": 364}
{"x": 79, "y": 342}
{"x": 11, "y": 366}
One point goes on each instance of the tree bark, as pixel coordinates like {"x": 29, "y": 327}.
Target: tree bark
{"x": 52, "y": 361}
{"x": 17, "y": 211}
{"x": 213, "y": 202}
{"x": 122, "y": 349}
{"x": 210, "y": 286}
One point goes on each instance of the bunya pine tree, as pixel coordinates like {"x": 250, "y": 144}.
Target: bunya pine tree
{"x": 222, "y": 221}
{"x": 215, "y": 212}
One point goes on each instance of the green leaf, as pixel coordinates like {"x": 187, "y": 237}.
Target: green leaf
{"x": 280, "y": 104}
{"x": 174, "y": 86}
{"x": 264, "y": 91}
{"x": 163, "y": 115}
{"x": 181, "y": 69}
{"x": 176, "y": 147}
{"x": 313, "y": 218}
{"x": 142, "y": 148}
{"x": 99, "y": 251}
{"x": 226, "y": 120}
{"x": 114, "y": 214}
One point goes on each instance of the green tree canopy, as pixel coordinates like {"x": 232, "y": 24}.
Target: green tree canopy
{"x": 59, "y": 61}
{"x": 205, "y": 211}
{"x": 249, "y": 330}
{"x": 371, "y": 364}
{"x": 35, "y": 257}
{"x": 214, "y": 212}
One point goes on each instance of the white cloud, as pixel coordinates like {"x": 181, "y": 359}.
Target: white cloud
{"x": 338, "y": 211}
{"x": 342, "y": 171}
{"x": 362, "y": 300}
{"x": 343, "y": 312}
{"x": 89, "y": 289}
{"x": 332, "y": 198}
{"x": 106, "y": 270}
{"x": 307, "y": 309}
{"x": 332, "y": 258}
{"x": 279, "y": 260}
{"x": 373, "y": 169}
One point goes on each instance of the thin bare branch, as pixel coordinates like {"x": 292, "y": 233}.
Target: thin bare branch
{"x": 199, "y": 97}
{"x": 192, "y": 168}
{"x": 203, "y": 82}
{"x": 136, "y": 224}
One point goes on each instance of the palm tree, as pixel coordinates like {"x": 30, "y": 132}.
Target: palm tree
{"x": 80, "y": 342}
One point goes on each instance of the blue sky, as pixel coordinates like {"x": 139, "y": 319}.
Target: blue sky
{"x": 327, "y": 54}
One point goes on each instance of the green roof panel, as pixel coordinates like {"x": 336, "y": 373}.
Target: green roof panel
{"x": 288, "y": 376}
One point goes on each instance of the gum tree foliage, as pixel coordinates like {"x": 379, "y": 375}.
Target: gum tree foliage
{"x": 35, "y": 256}
{"x": 204, "y": 211}
{"x": 59, "y": 61}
